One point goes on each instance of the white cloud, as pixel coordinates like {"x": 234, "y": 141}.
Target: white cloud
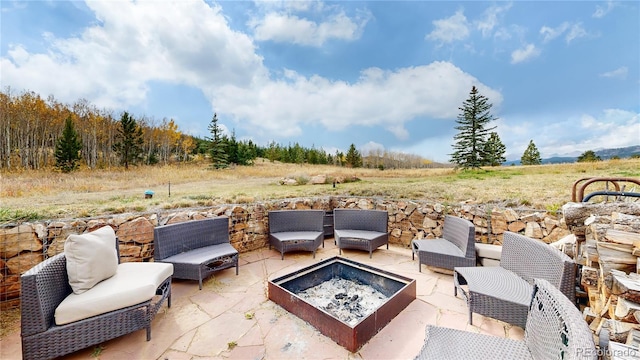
{"x": 549, "y": 33}
{"x": 110, "y": 63}
{"x": 451, "y": 29}
{"x": 619, "y": 73}
{"x": 384, "y": 98}
{"x": 571, "y": 31}
{"x": 283, "y": 27}
{"x": 601, "y": 11}
{"x": 490, "y": 18}
{"x": 576, "y": 31}
{"x": 371, "y": 147}
{"x": 570, "y": 135}
{"x": 528, "y": 52}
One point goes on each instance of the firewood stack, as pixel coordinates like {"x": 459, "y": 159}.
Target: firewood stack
{"x": 610, "y": 254}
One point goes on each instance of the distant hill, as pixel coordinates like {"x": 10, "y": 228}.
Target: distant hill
{"x": 604, "y": 155}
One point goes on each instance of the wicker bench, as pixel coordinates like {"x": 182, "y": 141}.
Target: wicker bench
{"x": 456, "y": 247}
{"x": 195, "y": 248}
{"x": 360, "y": 229}
{"x": 58, "y": 319}
{"x": 293, "y": 230}
{"x": 555, "y": 330}
{"x": 504, "y": 292}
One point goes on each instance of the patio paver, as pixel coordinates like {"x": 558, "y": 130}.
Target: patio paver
{"x": 232, "y": 318}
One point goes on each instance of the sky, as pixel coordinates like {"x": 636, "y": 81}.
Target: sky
{"x": 382, "y": 75}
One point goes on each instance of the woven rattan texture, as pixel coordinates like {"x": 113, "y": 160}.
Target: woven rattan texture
{"x": 556, "y": 331}
{"x": 285, "y": 224}
{"x": 440, "y": 253}
{"x": 362, "y": 220}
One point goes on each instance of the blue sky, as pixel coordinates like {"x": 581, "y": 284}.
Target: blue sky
{"x": 383, "y": 75}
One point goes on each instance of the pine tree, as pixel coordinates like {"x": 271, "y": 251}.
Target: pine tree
{"x": 588, "y": 156}
{"x": 531, "y": 155}
{"x": 494, "y": 151}
{"x": 219, "y": 158}
{"x": 129, "y": 141}
{"x": 353, "y": 158}
{"x": 469, "y": 149}
{"x": 68, "y": 148}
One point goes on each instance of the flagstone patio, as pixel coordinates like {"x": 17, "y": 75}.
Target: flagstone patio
{"x": 232, "y": 317}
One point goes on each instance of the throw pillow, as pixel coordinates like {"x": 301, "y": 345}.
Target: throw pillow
{"x": 91, "y": 258}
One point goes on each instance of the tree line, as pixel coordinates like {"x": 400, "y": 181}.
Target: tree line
{"x": 41, "y": 133}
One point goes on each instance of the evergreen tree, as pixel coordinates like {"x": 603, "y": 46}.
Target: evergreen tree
{"x": 588, "y": 156}
{"x": 219, "y": 158}
{"x": 68, "y": 148}
{"x": 129, "y": 141}
{"x": 494, "y": 151}
{"x": 469, "y": 149}
{"x": 531, "y": 155}
{"x": 353, "y": 158}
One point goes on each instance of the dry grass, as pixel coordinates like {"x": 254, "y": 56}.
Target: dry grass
{"x": 47, "y": 194}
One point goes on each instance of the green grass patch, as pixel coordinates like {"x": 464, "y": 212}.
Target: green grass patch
{"x": 7, "y": 215}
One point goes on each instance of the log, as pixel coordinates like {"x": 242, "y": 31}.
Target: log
{"x": 633, "y": 338}
{"x": 612, "y": 257}
{"x": 622, "y": 237}
{"x": 618, "y": 330}
{"x": 619, "y": 351}
{"x": 576, "y": 213}
{"x": 625, "y": 310}
{"x": 626, "y": 286}
{"x": 589, "y": 277}
{"x": 588, "y": 315}
{"x": 626, "y": 222}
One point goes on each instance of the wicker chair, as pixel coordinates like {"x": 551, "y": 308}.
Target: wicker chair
{"x": 555, "y": 330}
{"x": 45, "y": 286}
{"x": 294, "y": 230}
{"x": 504, "y": 292}
{"x": 455, "y": 248}
{"x": 360, "y": 229}
{"x": 195, "y": 248}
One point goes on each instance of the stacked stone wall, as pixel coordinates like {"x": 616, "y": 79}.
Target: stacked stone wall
{"x": 23, "y": 246}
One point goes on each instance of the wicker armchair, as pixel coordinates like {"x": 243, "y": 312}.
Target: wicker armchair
{"x": 455, "y": 248}
{"x": 504, "y": 292}
{"x": 46, "y": 286}
{"x": 293, "y": 230}
{"x": 195, "y": 248}
{"x": 360, "y": 229}
{"x": 555, "y": 330}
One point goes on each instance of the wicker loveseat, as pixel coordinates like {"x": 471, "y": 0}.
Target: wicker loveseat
{"x": 293, "y": 230}
{"x": 456, "y": 247}
{"x": 504, "y": 292}
{"x": 360, "y": 229}
{"x": 555, "y": 330}
{"x": 63, "y": 311}
{"x": 195, "y": 248}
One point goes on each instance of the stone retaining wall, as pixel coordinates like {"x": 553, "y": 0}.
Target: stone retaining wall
{"x": 25, "y": 245}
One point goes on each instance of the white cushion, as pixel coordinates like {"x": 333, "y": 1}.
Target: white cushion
{"x": 489, "y": 251}
{"x": 91, "y": 258}
{"x": 132, "y": 284}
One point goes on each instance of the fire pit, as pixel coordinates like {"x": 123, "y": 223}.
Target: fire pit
{"x": 365, "y": 299}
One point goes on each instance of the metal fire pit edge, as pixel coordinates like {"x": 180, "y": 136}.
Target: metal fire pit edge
{"x": 350, "y": 337}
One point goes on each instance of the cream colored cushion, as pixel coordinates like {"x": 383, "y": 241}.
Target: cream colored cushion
{"x": 132, "y": 284}
{"x": 91, "y": 258}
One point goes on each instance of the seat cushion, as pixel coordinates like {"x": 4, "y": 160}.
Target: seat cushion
{"x": 358, "y": 234}
{"x": 132, "y": 284}
{"x": 489, "y": 251}
{"x": 437, "y": 246}
{"x": 497, "y": 282}
{"x": 296, "y": 235}
{"x": 202, "y": 255}
{"x": 91, "y": 258}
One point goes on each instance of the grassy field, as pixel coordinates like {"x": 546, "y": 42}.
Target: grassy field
{"x": 29, "y": 195}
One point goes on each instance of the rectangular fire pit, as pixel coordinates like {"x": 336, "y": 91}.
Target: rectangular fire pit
{"x": 397, "y": 291}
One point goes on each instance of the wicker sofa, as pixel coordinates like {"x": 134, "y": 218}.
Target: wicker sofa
{"x": 66, "y": 306}
{"x": 504, "y": 292}
{"x": 293, "y": 230}
{"x": 360, "y": 229}
{"x": 555, "y": 330}
{"x": 195, "y": 248}
{"x": 456, "y": 247}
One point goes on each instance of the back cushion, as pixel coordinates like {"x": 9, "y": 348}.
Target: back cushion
{"x": 91, "y": 258}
